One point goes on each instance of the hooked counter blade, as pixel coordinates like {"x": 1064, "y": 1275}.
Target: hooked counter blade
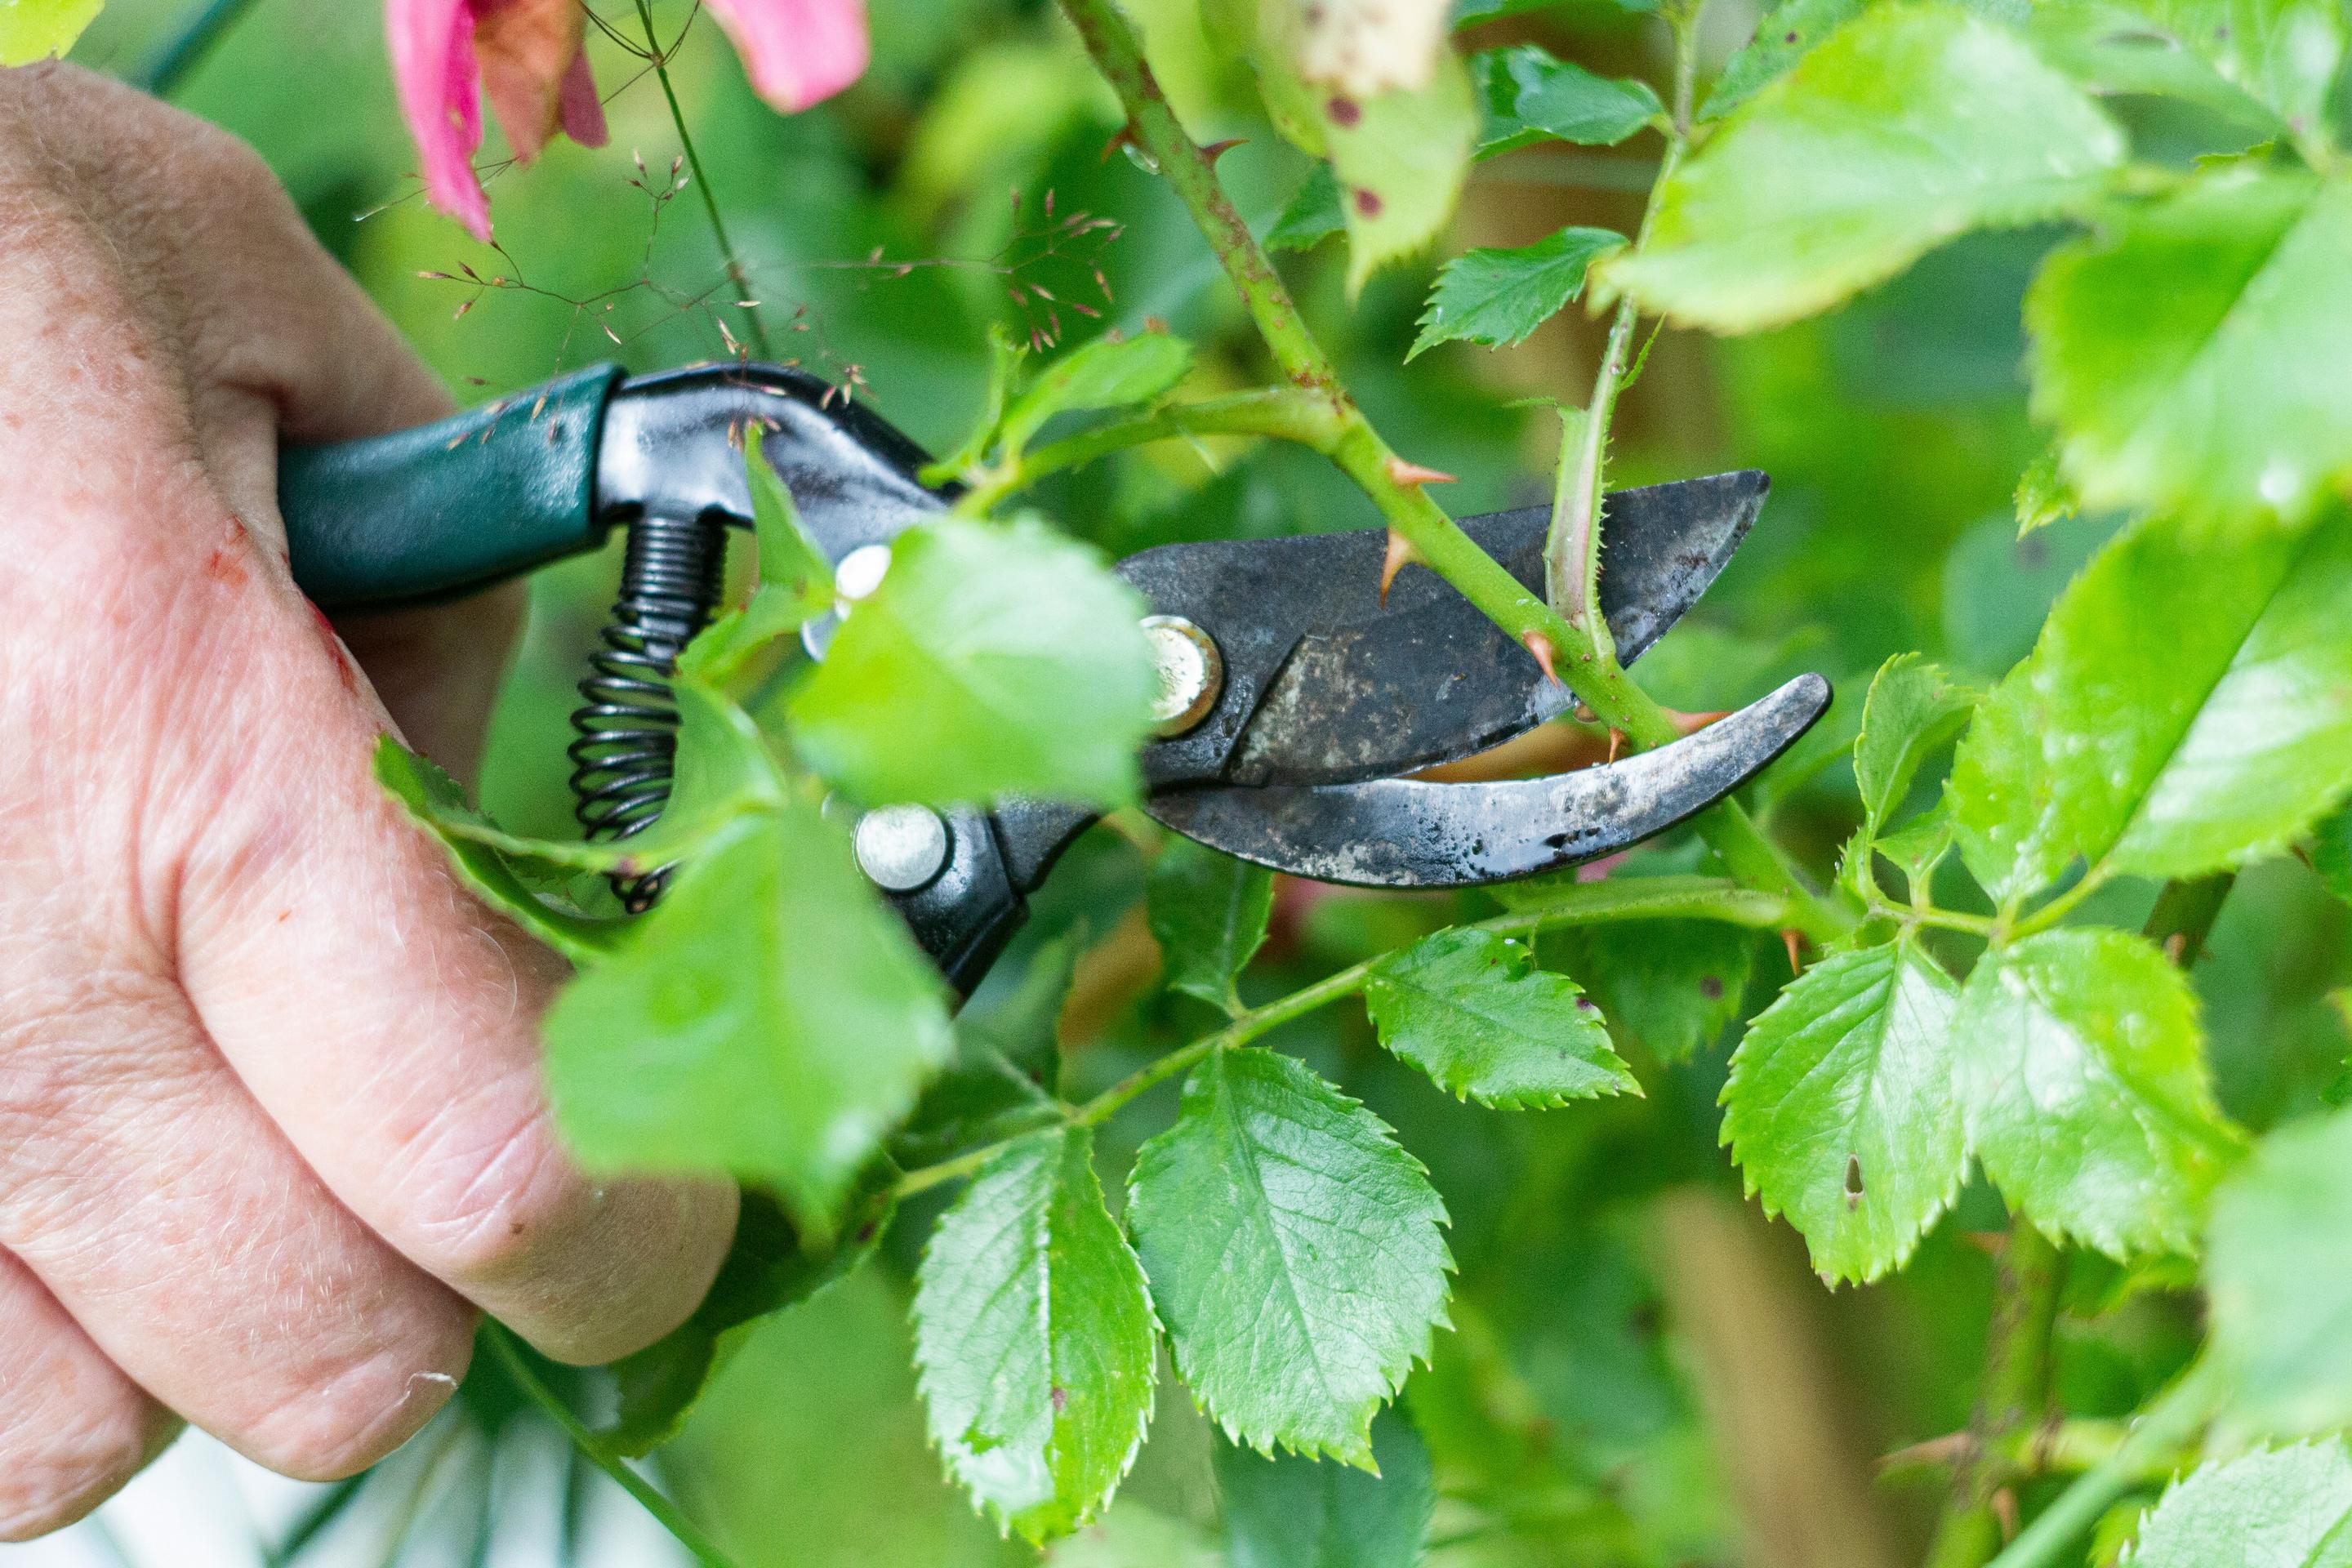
{"x": 1430, "y": 679}
{"x": 1404, "y": 833}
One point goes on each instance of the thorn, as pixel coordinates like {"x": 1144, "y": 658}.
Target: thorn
{"x": 1126, "y": 138}
{"x": 2004, "y": 1508}
{"x": 1790, "y": 938}
{"x": 1991, "y": 1243}
{"x": 1540, "y": 647}
{"x": 1216, "y": 150}
{"x": 1404, "y": 473}
{"x": 1616, "y": 741}
{"x": 1692, "y": 723}
{"x": 1399, "y": 555}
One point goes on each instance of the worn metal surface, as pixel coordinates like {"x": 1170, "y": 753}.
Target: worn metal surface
{"x": 1402, "y": 833}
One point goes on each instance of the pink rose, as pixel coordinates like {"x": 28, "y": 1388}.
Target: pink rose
{"x": 526, "y": 54}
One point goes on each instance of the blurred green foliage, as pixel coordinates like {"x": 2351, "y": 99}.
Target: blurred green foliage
{"x": 1565, "y": 1415}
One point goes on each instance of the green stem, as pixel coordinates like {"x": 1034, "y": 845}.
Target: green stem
{"x": 1282, "y": 412}
{"x": 191, "y": 45}
{"x": 1572, "y": 547}
{"x": 2156, "y": 1440}
{"x": 2015, "y": 1390}
{"x": 727, "y": 252}
{"x": 1393, "y": 486}
{"x": 1585, "y": 903}
{"x": 688, "y": 1533}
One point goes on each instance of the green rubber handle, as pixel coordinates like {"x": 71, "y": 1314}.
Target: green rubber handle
{"x": 440, "y": 511}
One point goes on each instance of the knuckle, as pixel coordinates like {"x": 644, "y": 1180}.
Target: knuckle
{"x": 490, "y": 1190}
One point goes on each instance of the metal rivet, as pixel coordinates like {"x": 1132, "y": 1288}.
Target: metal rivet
{"x": 1192, "y": 673}
{"x": 860, "y": 571}
{"x": 901, "y": 847}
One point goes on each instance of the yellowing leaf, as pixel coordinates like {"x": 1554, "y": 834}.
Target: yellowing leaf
{"x": 35, "y": 29}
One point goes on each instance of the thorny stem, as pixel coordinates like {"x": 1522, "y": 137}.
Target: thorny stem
{"x": 1583, "y": 903}
{"x": 727, "y": 253}
{"x": 1435, "y": 539}
{"x": 2016, "y": 1388}
{"x": 688, "y": 1533}
{"x": 1572, "y": 548}
{"x": 1283, "y": 412}
{"x": 2155, "y": 1441}
{"x": 1969, "y": 1534}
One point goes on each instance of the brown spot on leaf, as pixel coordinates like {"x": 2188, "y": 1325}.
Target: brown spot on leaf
{"x": 1711, "y": 987}
{"x": 1368, "y": 203}
{"x": 1852, "y": 1181}
{"x": 1344, "y": 111}
{"x": 1061, "y": 1398}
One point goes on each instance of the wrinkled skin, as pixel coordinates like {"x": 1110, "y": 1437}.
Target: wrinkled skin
{"x": 271, "y": 1125}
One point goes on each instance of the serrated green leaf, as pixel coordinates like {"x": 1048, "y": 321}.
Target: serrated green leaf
{"x": 2277, "y": 1508}
{"x": 1312, "y": 217}
{"x": 768, "y": 1268}
{"x": 794, "y": 585}
{"x": 1840, "y": 1107}
{"x": 990, "y": 662}
{"x": 438, "y": 804}
{"x": 1667, "y": 987}
{"x": 1921, "y": 844}
{"x": 2278, "y": 1270}
{"x": 1785, "y": 35}
{"x": 1208, "y": 912}
{"x": 725, "y": 772}
{"x": 2081, "y": 1064}
{"x": 1498, "y": 297}
{"x": 1035, "y": 1338}
{"x": 2189, "y": 708}
{"x": 2187, "y": 350}
{"x": 2042, "y": 495}
{"x": 1470, "y": 1009}
{"x": 1290, "y": 1512}
{"x": 770, "y": 1019}
{"x": 2283, "y": 54}
{"x": 1295, "y": 1252}
{"x": 35, "y": 29}
{"x": 1469, "y": 12}
{"x": 1401, "y": 159}
{"x": 1530, "y": 97}
{"x": 1111, "y": 371}
{"x": 1913, "y": 707}
{"x": 1912, "y": 125}
{"x": 2114, "y": 49}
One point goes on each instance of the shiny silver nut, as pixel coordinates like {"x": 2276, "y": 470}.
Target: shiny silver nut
{"x": 901, "y": 847}
{"x": 857, "y": 575}
{"x": 1192, "y": 673}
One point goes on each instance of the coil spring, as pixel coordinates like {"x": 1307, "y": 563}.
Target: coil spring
{"x": 627, "y": 752}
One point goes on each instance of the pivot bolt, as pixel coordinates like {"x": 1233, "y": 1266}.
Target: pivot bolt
{"x": 900, "y": 847}
{"x": 1191, "y": 674}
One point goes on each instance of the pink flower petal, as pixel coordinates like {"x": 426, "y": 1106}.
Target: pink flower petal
{"x": 797, "y": 52}
{"x": 433, "y": 65}
{"x": 583, "y": 114}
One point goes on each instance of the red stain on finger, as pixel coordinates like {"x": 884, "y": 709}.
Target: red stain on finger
{"x": 335, "y": 649}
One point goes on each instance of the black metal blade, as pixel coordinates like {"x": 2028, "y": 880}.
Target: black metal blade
{"x": 1359, "y": 691}
{"x": 1402, "y": 833}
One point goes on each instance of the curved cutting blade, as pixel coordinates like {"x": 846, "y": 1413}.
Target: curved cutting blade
{"x": 1367, "y": 689}
{"x": 1404, "y": 833}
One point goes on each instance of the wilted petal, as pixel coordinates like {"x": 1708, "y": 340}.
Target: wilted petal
{"x": 529, "y": 50}
{"x": 584, "y": 113}
{"x": 796, "y": 52}
{"x": 1365, "y": 47}
{"x": 433, "y": 65}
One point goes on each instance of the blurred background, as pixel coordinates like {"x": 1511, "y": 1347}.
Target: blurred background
{"x": 1643, "y": 1370}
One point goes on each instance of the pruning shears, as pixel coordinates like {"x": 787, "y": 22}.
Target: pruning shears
{"x": 1293, "y": 699}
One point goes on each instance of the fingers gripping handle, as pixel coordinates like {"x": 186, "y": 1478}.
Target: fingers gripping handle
{"x": 448, "y": 508}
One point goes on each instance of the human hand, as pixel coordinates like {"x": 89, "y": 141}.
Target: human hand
{"x": 271, "y": 1125}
